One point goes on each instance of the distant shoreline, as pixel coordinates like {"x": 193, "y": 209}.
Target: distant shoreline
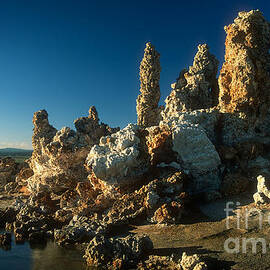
{"x": 20, "y": 155}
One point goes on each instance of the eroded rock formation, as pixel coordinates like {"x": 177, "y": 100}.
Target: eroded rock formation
{"x": 148, "y": 112}
{"x": 88, "y": 182}
{"x": 244, "y": 79}
{"x": 262, "y": 195}
{"x": 123, "y": 253}
{"x": 13, "y": 175}
{"x": 58, "y": 157}
{"x": 90, "y": 128}
{"x": 117, "y": 160}
{"x": 195, "y": 88}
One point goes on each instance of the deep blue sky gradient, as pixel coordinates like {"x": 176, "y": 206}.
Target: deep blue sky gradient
{"x": 64, "y": 56}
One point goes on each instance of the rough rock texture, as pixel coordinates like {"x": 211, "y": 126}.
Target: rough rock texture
{"x": 122, "y": 253}
{"x": 159, "y": 262}
{"x": 168, "y": 213}
{"x": 192, "y": 262}
{"x": 90, "y": 128}
{"x": 80, "y": 229}
{"x": 89, "y": 184}
{"x": 8, "y": 170}
{"x": 206, "y": 118}
{"x": 117, "y": 160}
{"x": 146, "y": 200}
{"x": 58, "y": 157}
{"x": 159, "y": 145}
{"x": 263, "y": 189}
{"x": 23, "y": 175}
{"x": 196, "y": 88}
{"x": 148, "y": 112}
{"x": 244, "y": 80}
{"x": 198, "y": 155}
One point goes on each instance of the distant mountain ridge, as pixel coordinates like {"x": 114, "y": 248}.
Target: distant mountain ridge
{"x": 19, "y": 155}
{"x": 15, "y": 150}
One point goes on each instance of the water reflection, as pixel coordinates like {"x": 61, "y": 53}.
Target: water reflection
{"x": 40, "y": 257}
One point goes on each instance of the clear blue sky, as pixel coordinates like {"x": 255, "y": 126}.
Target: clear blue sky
{"x": 64, "y": 56}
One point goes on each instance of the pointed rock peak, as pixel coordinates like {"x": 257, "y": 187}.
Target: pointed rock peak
{"x": 93, "y": 114}
{"x": 40, "y": 118}
{"x": 148, "y": 111}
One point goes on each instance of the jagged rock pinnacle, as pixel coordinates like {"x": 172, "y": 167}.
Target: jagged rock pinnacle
{"x": 148, "y": 112}
{"x": 244, "y": 79}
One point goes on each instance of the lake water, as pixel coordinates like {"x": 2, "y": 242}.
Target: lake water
{"x": 47, "y": 257}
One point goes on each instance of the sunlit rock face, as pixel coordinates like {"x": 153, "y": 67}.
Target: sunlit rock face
{"x": 159, "y": 145}
{"x": 195, "y": 88}
{"x": 118, "y": 159}
{"x": 244, "y": 79}
{"x": 148, "y": 112}
{"x": 58, "y": 157}
{"x": 262, "y": 196}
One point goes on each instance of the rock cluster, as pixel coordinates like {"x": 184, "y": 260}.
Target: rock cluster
{"x": 13, "y": 175}
{"x": 58, "y": 157}
{"x": 9, "y": 169}
{"x": 193, "y": 262}
{"x": 121, "y": 253}
{"x": 149, "y": 201}
{"x": 148, "y": 111}
{"x": 209, "y": 140}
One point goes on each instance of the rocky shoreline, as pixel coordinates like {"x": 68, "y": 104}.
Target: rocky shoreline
{"x": 209, "y": 142}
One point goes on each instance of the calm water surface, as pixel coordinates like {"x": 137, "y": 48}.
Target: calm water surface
{"x": 49, "y": 257}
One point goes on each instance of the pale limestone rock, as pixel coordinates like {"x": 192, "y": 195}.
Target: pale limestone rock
{"x": 205, "y": 118}
{"x": 192, "y": 262}
{"x": 197, "y": 154}
{"x": 196, "y": 88}
{"x": 148, "y": 112}
{"x": 115, "y": 161}
{"x": 263, "y": 190}
{"x": 262, "y": 185}
{"x": 200, "y": 266}
{"x": 260, "y": 198}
